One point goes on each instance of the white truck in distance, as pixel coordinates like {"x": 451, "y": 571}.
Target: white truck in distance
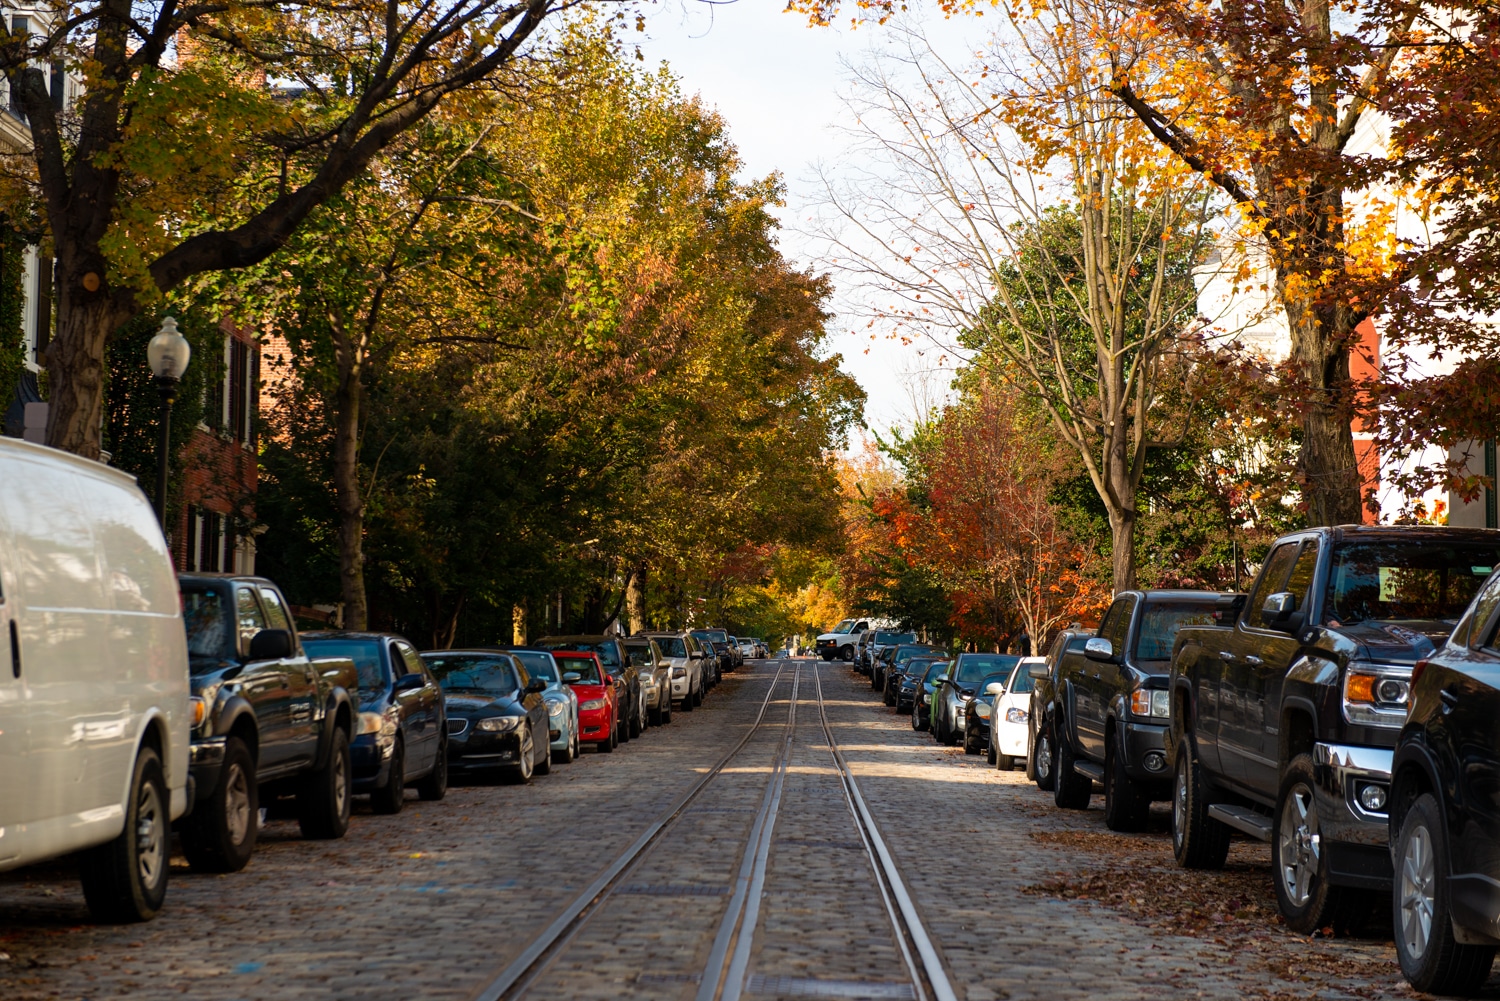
{"x": 841, "y": 640}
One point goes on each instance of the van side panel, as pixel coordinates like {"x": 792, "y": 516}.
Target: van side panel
{"x": 13, "y": 737}
{"x": 102, "y": 644}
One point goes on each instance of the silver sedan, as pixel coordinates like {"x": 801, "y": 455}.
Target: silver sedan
{"x": 656, "y": 677}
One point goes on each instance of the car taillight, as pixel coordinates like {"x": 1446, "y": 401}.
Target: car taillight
{"x": 1416, "y": 671}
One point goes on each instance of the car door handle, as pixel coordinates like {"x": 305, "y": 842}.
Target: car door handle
{"x": 15, "y": 650}
{"x": 1226, "y": 656}
{"x": 1450, "y": 700}
{"x": 1254, "y": 661}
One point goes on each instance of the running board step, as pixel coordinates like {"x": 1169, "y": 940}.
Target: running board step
{"x": 1089, "y": 769}
{"x": 1242, "y": 819}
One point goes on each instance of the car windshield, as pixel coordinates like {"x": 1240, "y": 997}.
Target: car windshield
{"x": 1020, "y": 680}
{"x": 1160, "y": 621}
{"x": 639, "y": 654}
{"x": 843, "y": 627}
{"x": 373, "y": 674}
{"x": 672, "y": 646}
{"x": 490, "y": 673}
{"x": 906, "y": 653}
{"x": 889, "y": 639}
{"x": 1417, "y": 579}
{"x": 717, "y": 635}
{"x": 538, "y": 665}
{"x": 608, "y": 654}
{"x": 934, "y": 672}
{"x": 974, "y": 666}
{"x": 585, "y": 667}
{"x": 206, "y": 615}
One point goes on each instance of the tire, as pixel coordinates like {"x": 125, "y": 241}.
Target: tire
{"x": 847, "y": 653}
{"x": 1198, "y": 840}
{"x": 877, "y": 680}
{"x": 325, "y": 797}
{"x": 1044, "y": 758}
{"x": 1126, "y": 804}
{"x": 666, "y": 708}
{"x": 917, "y": 722}
{"x": 622, "y": 726}
{"x": 525, "y": 766}
{"x": 391, "y": 797}
{"x": 991, "y": 754}
{"x": 219, "y": 835}
{"x": 543, "y": 764}
{"x": 608, "y": 745}
{"x": 635, "y": 727}
{"x": 687, "y": 701}
{"x": 566, "y": 755}
{"x": 827, "y": 655}
{"x": 970, "y": 747}
{"x": 698, "y": 695}
{"x": 888, "y": 692}
{"x": 1070, "y": 790}
{"x": 1005, "y": 762}
{"x": 125, "y": 880}
{"x": 1432, "y": 960}
{"x": 1299, "y": 868}
{"x": 657, "y": 716}
{"x": 434, "y": 786}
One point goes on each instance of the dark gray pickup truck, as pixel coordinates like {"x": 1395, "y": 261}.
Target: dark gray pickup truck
{"x": 1109, "y": 705}
{"x": 1284, "y": 716}
{"x": 267, "y": 721}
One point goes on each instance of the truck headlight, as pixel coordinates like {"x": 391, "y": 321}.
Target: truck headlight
{"x": 1146, "y": 702}
{"x": 1376, "y": 694}
{"x": 498, "y": 724}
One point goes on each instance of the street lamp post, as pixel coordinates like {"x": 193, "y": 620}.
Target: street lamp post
{"x": 168, "y": 355}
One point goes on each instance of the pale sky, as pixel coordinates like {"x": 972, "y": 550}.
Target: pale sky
{"x": 778, "y": 82}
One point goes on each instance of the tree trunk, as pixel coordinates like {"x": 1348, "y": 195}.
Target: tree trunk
{"x": 445, "y": 624}
{"x": 350, "y": 503}
{"x": 1330, "y": 473}
{"x": 518, "y": 624}
{"x": 1122, "y": 546}
{"x": 75, "y": 373}
{"x": 635, "y": 599}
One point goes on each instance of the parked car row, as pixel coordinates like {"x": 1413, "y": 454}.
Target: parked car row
{"x": 1343, "y": 710}
{"x": 134, "y": 700}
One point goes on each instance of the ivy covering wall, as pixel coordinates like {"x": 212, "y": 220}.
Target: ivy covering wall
{"x": 12, "y": 311}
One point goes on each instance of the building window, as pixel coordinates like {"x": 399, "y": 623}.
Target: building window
{"x": 212, "y": 545}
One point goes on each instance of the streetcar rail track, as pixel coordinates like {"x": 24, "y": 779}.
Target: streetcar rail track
{"x": 514, "y": 979}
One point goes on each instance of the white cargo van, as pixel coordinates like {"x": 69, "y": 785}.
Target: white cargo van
{"x": 94, "y": 728}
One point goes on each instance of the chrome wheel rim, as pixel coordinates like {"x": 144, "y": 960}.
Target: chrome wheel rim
{"x": 1418, "y": 892}
{"x": 237, "y": 805}
{"x": 150, "y": 834}
{"x": 1044, "y": 757}
{"x": 527, "y": 751}
{"x": 1300, "y": 844}
{"x": 341, "y": 785}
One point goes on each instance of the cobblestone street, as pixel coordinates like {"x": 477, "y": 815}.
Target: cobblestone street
{"x": 1021, "y": 899}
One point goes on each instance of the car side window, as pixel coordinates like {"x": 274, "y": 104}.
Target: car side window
{"x": 1483, "y": 630}
{"x": 1278, "y": 566}
{"x": 1117, "y": 622}
{"x": 1300, "y": 582}
{"x": 411, "y": 663}
{"x": 276, "y": 614}
{"x": 249, "y": 617}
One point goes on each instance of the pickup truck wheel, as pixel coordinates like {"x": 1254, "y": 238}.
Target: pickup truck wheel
{"x": 1070, "y": 790}
{"x": 325, "y": 797}
{"x": 877, "y": 679}
{"x": 219, "y": 835}
{"x": 1126, "y": 804}
{"x": 666, "y": 705}
{"x": 1198, "y": 840}
{"x": 435, "y": 785}
{"x": 1431, "y": 959}
{"x": 125, "y": 880}
{"x": 391, "y": 797}
{"x": 1044, "y": 758}
{"x": 1299, "y": 865}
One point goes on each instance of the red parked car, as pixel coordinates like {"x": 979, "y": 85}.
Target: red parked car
{"x": 597, "y": 709}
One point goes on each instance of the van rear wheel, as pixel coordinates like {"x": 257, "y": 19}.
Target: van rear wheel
{"x": 219, "y": 835}
{"x": 125, "y": 880}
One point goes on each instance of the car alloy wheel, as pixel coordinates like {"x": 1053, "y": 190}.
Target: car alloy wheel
{"x": 237, "y": 804}
{"x": 150, "y": 834}
{"x": 1044, "y": 758}
{"x": 1301, "y": 844}
{"x": 1417, "y": 892}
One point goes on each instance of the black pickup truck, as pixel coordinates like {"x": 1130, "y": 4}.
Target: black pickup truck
{"x": 267, "y": 721}
{"x": 1110, "y": 707}
{"x": 1284, "y": 717}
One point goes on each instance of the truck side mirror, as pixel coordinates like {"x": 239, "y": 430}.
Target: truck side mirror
{"x": 271, "y": 644}
{"x": 1279, "y": 607}
{"x": 1037, "y": 672}
{"x": 1100, "y": 649}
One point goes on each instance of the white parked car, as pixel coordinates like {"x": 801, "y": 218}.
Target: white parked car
{"x": 94, "y": 724}
{"x": 686, "y": 664}
{"x": 1010, "y": 728}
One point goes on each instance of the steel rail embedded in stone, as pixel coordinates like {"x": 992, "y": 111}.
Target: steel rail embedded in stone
{"x": 908, "y": 925}
{"x": 513, "y": 981}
